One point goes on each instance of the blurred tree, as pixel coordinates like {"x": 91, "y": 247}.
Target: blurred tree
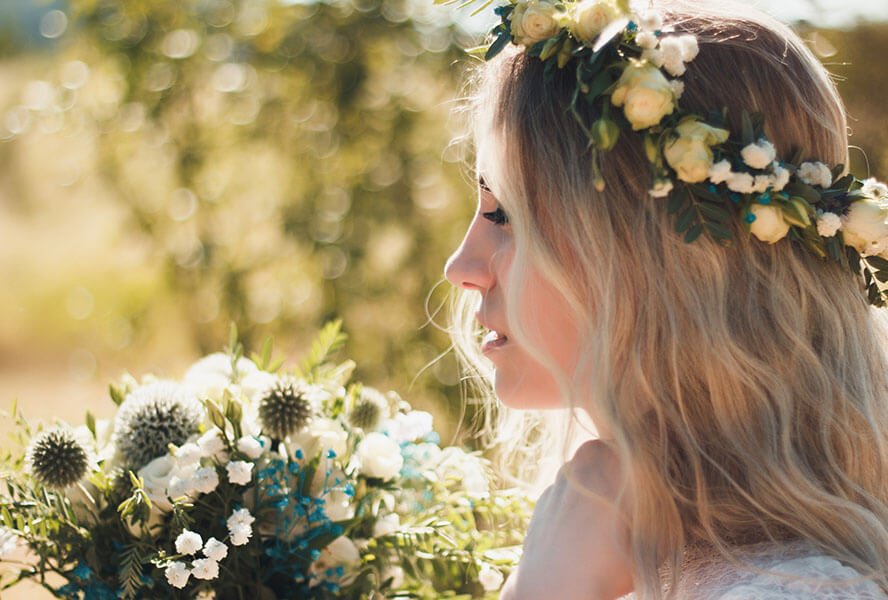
{"x": 284, "y": 163}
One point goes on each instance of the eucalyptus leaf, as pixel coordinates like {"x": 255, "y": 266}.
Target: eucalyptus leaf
{"x": 693, "y": 233}
{"x": 685, "y": 220}
{"x": 497, "y": 46}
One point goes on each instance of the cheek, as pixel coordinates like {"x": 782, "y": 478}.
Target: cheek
{"x": 549, "y": 321}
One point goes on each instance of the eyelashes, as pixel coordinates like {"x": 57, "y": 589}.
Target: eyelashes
{"x": 498, "y": 216}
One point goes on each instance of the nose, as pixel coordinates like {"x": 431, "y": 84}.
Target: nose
{"x": 469, "y": 267}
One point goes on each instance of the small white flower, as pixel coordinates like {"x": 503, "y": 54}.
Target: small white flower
{"x": 188, "y": 542}
{"x": 647, "y": 40}
{"x": 215, "y": 550}
{"x": 205, "y": 480}
{"x": 205, "y": 568}
{"x": 720, "y": 172}
{"x": 651, "y": 21}
{"x": 760, "y": 154}
{"x": 240, "y": 534}
{"x": 762, "y": 183}
{"x": 815, "y": 173}
{"x": 671, "y": 49}
{"x": 741, "y": 182}
{"x": 490, "y": 579}
{"x": 379, "y": 456}
{"x": 689, "y": 47}
{"x": 678, "y": 88}
{"x": 239, "y": 472}
{"x": 828, "y": 224}
{"x": 240, "y": 516}
{"x": 662, "y": 188}
{"x": 250, "y": 446}
{"x": 653, "y": 56}
{"x": 211, "y": 443}
{"x": 386, "y": 525}
{"x": 9, "y": 542}
{"x": 875, "y": 189}
{"x": 177, "y": 574}
{"x": 780, "y": 178}
{"x": 188, "y": 454}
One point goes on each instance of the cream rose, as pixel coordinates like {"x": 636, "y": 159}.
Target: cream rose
{"x": 533, "y": 22}
{"x": 379, "y": 456}
{"x": 864, "y": 226}
{"x": 645, "y": 94}
{"x": 589, "y": 17}
{"x": 156, "y": 476}
{"x": 690, "y": 154}
{"x": 769, "y": 225}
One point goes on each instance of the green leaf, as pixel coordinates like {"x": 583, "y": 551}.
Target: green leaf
{"x": 837, "y": 170}
{"x": 601, "y": 83}
{"x": 91, "y": 423}
{"x": 714, "y": 211}
{"x": 497, "y": 46}
{"x": 882, "y": 276}
{"x": 720, "y": 232}
{"x": 703, "y": 191}
{"x": 117, "y": 396}
{"x": 685, "y": 220}
{"x": 550, "y": 47}
{"x": 677, "y": 200}
{"x": 328, "y": 341}
{"x": 797, "y": 188}
{"x": 834, "y": 247}
{"x": 693, "y": 233}
{"x": 878, "y": 262}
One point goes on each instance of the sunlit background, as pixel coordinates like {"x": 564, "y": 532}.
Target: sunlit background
{"x": 168, "y": 167}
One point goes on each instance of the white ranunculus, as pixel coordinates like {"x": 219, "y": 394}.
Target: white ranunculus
{"x": 815, "y": 173}
{"x": 379, "y": 456}
{"x": 759, "y": 155}
{"x": 769, "y": 225}
{"x": 589, "y": 17}
{"x": 864, "y": 225}
{"x": 156, "y": 476}
{"x": 644, "y": 93}
{"x": 828, "y": 224}
{"x": 533, "y": 21}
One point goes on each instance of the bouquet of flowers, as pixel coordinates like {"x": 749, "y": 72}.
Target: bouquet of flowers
{"x": 247, "y": 481}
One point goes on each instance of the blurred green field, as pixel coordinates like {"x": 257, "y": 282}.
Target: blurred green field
{"x": 169, "y": 168}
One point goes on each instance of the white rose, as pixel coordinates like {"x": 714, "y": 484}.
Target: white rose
{"x": 156, "y": 476}
{"x": 490, "y": 579}
{"x": 644, "y": 93}
{"x": 828, "y": 224}
{"x": 864, "y": 225}
{"x": 320, "y": 436}
{"x": 589, "y": 17}
{"x": 759, "y": 155}
{"x": 379, "y": 456}
{"x": 690, "y": 153}
{"x": 769, "y": 225}
{"x": 533, "y": 21}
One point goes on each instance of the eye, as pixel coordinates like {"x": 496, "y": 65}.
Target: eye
{"x": 497, "y": 217}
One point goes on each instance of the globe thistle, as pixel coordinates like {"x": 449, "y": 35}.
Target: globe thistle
{"x": 285, "y": 407}
{"x": 151, "y": 418}
{"x": 56, "y": 458}
{"x": 369, "y": 409}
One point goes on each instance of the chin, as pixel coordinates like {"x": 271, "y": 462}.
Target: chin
{"x": 521, "y": 395}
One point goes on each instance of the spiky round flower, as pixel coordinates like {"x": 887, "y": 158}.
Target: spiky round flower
{"x": 151, "y": 418}
{"x": 56, "y": 458}
{"x": 285, "y": 407}
{"x": 369, "y": 409}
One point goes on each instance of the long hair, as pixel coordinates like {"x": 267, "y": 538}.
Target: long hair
{"x": 743, "y": 388}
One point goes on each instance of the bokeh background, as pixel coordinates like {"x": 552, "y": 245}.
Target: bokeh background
{"x": 169, "y": 167}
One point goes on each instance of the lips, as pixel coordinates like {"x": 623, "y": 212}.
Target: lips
{"x": 493, "y": 339}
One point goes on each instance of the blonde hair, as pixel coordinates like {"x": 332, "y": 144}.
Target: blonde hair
{"x": 743, "y": 388}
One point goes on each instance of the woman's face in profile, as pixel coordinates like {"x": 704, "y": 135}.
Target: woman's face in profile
{"x": 482, "y": 263}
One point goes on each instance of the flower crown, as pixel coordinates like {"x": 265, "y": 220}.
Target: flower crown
{"x": 629, "y": 65}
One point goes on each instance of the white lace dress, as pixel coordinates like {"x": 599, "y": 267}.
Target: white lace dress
{"x": 778, "y": 572}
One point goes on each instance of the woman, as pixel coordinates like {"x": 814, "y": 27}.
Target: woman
{"x": 694, "y": 277}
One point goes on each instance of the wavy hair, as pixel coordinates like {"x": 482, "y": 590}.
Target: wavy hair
{"x": 743, "y": 388}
